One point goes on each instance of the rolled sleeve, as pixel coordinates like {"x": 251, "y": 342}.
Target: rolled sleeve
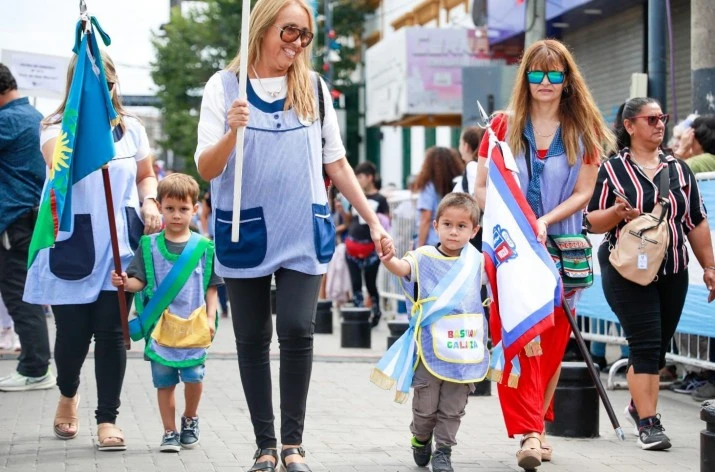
{"x": 696, "y": 211}
{"x": 212, "y": 120}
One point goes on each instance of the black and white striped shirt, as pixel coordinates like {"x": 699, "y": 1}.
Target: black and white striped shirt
{"x": 686, "y": 205}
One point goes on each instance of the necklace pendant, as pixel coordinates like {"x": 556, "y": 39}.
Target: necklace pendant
{"x": 274, "y": 94}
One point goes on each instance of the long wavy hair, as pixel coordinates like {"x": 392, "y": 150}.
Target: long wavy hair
{"x": 579, "y": 116}
{"x": 440, "y": 166}
{"x": 300, "y": 95}
{"x": 110, "y": 71}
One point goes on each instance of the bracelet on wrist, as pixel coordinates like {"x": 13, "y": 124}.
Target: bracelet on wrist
{"x": 543, "y": 220}
{"x": 709, "y": 268}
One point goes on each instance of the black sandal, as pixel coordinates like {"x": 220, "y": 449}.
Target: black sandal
{"x": 294, "y": 466}
{"x": 266, "y": 466}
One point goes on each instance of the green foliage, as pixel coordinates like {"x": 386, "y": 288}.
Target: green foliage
{"x": 191, "y": 48}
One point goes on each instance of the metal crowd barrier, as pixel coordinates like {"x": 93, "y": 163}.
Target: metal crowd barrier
{"x": 693, "y": 345}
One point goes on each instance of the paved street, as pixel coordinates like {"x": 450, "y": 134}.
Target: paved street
{"x": 351, "y": 425}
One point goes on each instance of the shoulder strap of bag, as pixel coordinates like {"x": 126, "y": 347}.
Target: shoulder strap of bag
{"x": 664, "y": 190}
{"x": 174, "y": 281}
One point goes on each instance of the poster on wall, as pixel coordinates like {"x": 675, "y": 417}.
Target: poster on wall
{"x": 37, "y": 75}
{"x": 418, "y": 71}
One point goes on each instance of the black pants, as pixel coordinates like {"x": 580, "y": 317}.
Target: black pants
{"x": 296, "y": 302}
{"x": 356, "y": 268}
{"x": 29, "y": 320}
{"x": 649, "y": 315}
{"x": 76, "y": 324}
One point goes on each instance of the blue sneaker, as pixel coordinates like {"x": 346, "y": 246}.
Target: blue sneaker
{"x": 189, "y": 432}
{"x": 170, "y": 442}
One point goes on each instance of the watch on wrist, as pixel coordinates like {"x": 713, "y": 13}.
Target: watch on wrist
{"x": 151, "y": 197}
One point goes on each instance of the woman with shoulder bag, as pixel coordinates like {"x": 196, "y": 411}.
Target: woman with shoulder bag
{"x": 557, "y": 136}
{"x": 647, "y": 291}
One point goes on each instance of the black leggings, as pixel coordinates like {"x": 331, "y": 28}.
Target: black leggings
{"x": 649, "y": 315}
{"x": 370, "y": 267}
{"x": 296, "y": 301}
{"x": 75, "y": 326}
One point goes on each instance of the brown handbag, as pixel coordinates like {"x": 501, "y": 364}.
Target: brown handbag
{"x": 643, "y": 241}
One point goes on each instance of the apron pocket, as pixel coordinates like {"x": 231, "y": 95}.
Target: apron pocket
{"x": 323, "y": 233}
{"x": 73, "y": 258}
{"x": 135, "y": 227}
{"x": 250, "y": 250}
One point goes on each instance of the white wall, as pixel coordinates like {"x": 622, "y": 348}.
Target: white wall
{"x": 391, "y": 156}
{"x": 417, "y": 149}
{"x": 444, "y": 136}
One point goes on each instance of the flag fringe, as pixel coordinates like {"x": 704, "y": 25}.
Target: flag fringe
{"x": 495, "y": 375}
{"x": 381, "y": 379}
{"x": 533, "y": 349}
{"x": 401, "y": 397}
{"x": 513, "y": 380}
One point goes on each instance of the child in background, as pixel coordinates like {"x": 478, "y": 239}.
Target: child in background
{"x": 442, "y": 284}
{"x": 174, "y": 269}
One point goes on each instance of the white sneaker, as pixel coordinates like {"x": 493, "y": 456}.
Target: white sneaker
{"x": 6, "y": 340}
{"x": 19, "y": 383}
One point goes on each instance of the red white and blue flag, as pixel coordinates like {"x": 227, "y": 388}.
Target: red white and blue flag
{"x": 525, "y": 285}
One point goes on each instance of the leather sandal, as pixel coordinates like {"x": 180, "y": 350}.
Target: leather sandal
{"x": 265, "y": 466}
{"x": 294, "y": 466}
{"x": 110, "y": 438}
{"x": 546, "y": 449}
{"x": 67, "y": 414}
{"x": 529, "y": 458}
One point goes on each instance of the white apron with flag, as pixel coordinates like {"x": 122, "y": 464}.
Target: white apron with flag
{"x": 448, "y": 330}
{"x": 78, "y": 267}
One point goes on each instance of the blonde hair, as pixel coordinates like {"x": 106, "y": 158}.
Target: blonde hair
{"x": 110, "y": 71}
{"x": 580, "y": 117}
{"x": 300, "y": 94}
{"x": 178, "y": 186}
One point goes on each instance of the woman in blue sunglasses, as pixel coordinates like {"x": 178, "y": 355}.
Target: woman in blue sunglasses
{"x": 557, "y": 136}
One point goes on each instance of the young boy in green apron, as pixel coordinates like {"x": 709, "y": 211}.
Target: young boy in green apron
{"x": 177, "y": 307}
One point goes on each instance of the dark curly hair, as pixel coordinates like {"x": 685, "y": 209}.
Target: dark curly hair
{"x": 7, "y": 81}
{"x": 704, "y": 131}
{"x": 440, "y": 166}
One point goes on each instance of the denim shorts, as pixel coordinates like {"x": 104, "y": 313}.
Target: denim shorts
{"x": 164, "y": 377}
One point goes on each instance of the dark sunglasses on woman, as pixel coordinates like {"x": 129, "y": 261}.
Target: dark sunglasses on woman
{"x": 555, "y": 77}
{"x": 290, "y": 33}
{"x": 654, "y": 119}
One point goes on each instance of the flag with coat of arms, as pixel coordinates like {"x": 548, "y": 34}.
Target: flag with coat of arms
{"x": 525, "y": 285}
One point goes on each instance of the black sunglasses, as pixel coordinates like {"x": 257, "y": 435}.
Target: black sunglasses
{"x": 290, "y": 33}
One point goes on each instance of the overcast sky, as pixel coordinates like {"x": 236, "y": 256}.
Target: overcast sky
{"x": 47, "y": 27}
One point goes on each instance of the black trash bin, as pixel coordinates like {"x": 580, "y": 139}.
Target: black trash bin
{"x": 707, "y": 437}
{"x": 397, "y": 329}
{"x": 576, "y": 405}
{"x": 355, "y": 329}
{"x": 324, "y": 317}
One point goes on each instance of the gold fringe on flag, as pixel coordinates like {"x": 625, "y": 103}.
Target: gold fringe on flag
{"x": 401, "y": 397}
{"x": 382, "y": 380}
{"x": 513, "y": 380}
{"x": 494, "y": 375}
{"x": 533, "y": 349}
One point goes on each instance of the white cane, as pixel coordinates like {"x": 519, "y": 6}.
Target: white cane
{"x": 240, "y": 132}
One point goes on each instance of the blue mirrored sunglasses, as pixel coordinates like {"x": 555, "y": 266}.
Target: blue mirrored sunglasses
{"x": 555, "y": 77}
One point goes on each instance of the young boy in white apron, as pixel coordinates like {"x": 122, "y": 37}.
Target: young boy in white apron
{"x": 177, "y": 308}
{"x": 444, "y": 351}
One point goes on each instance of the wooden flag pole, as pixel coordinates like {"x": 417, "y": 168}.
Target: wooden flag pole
{"x": 240, "y": 132}
{"x": 123, "y": 311}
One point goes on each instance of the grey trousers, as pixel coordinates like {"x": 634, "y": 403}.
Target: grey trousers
{"x": 437, "y": 407}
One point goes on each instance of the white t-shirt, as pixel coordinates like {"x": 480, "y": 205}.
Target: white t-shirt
{"x": 213, "y": 115}
{"x": 471, "y": 179}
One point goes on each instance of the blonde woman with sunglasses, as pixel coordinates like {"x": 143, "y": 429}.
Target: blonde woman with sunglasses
{"x": 557, "y": 136}
{"x": 286, "y": 230}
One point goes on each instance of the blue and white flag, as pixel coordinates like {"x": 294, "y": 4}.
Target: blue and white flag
{"x": 398, "y": 364}
{"x": 526, "y": 286}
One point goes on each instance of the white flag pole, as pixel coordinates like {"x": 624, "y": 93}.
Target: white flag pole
{"x": 240, "y": 132}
